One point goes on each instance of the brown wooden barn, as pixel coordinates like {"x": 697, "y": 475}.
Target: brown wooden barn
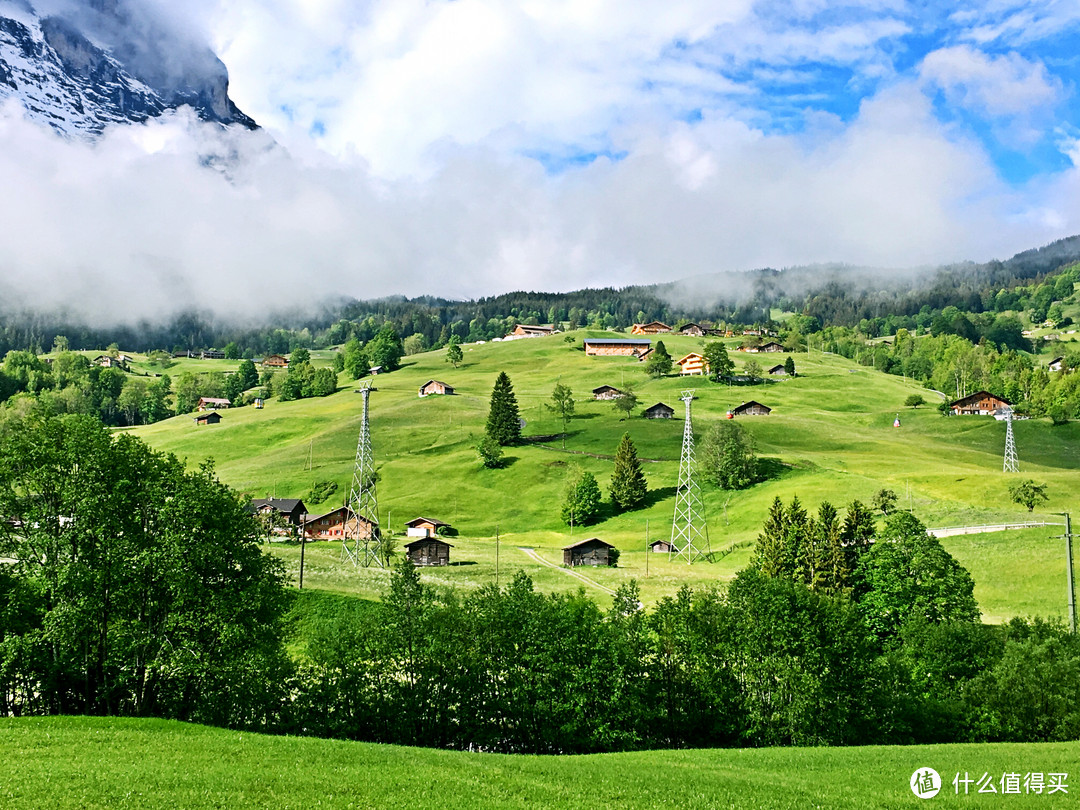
{"x": 435, "y": 387}
{"x": 771, "y": 346}
{"x": 606, "y": 392}
{"x": 659, "y": 411}
{"x": 778, "y": 370}
{"x": 525, "y": 330}
{"x": 651, "y": 328}
{"x": 593, "y": 551}
{"x": 604, "y": 347}
{"x": 212, "y": 403}
{"x": 275, "y": 361}
{"x": 211, "y": 418}
{"x": 693, "y": 329}
{"x": 751, "y": 408}
{"x": 428, "y": 551}
{"x": 336, "y": 524}
{"x": 981, "y": 403}
{"x": 424, "y": 527}
{"x": 661, "y": 547}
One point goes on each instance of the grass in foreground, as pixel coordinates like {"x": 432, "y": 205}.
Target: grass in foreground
{"x": 63, "y": 762}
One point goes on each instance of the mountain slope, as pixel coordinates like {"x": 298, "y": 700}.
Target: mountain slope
{"x": 80, "y": 72}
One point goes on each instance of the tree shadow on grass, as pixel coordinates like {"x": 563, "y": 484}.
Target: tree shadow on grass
{"x": 464, "y": 562}
{"x": 770, "y": 468}
{"x": 655, "y": 496}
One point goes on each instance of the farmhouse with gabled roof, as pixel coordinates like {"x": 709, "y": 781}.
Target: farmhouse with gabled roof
{"x": 981, "y": 403}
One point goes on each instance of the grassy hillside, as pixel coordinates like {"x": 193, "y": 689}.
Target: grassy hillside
{"x": 830, "y": 436}
{"x": 107, "y": 763}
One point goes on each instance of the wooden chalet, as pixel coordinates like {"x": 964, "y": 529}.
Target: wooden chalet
{"x": 1057, "y": 364}
{"x": 606, "y": 392}
{"x": 106, "y": 361}
{"x": 659, "y": 411}
{"x": 651, "y": 328}
{"x": 337, "y": 524}
{"x": 661, "y": 547}
{"x": 209, "y": 418}
{"x": 425, "y": 527}
{"x": 693, "y": 363}
{"x": 435, "y": 387}
{"x": 526, "y": 330}
{"x": 771, "y": 346}
{"x": 606, "y": 347}
{"x": 212, "y": 404}
{"x": 645, "y": 355}
{"x": 275, "y": 361}
{"x": 593, "y": 551}
{"x": 693, "y": 329}
{"x": 778, "y": 370}
{"x": 213, "y": 354}
{"x": 981, "y": 403}
{"x": 428, "y": 551}
{"x": 751, "y": 408}
{"x": 292, "y": 508}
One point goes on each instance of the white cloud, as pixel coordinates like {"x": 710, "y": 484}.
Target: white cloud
{"x": 993, "y": 86}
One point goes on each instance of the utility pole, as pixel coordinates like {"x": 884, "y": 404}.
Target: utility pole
{"x": 303, "y": 522}
{"x": 496, "y": 556}
{"x": 646, "y": 548}
{"x": 1069, "y": 570}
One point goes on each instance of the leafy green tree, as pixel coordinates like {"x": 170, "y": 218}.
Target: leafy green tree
{"x": 232, "y": 350}
{"x": 357, "y": 362}
{"x": 626, "y": 401}
{"x": 504, "y": 420}
{"x": 299, "y": 356}
{"x": 385, "y": 349}
{"x": 752, "y": 369}
{"x": 885, "y": 501}
{"x": 562, "y": 405}
{"x": 187, "y": 392}
{"x": 490, "y": 453}
{"x": 628, "y": 486}
{"x": 324, "y": 382}
{"x": 339, "y": 362}
{"x": 414, "y": 344}
{"x": 908, "y": 573}
{"x": 247, "y": 374}
{"x": 789, "y": 366}
{"x": 155, "y": 599}
{"x": 582, "y": 499}
{"x": 659, "y": 362}
{"x": 234, "y": 389}
{"x": 716, "y": 355}
{"x": 914, "y": 401}
{"x": 61, "y": 344}
{"x": 453, "y": 353}
{"x": 728, "y": 458}
{"x": 1028, "y": 493}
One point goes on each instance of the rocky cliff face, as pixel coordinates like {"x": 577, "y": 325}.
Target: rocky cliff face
{"x": 99, "y": 64}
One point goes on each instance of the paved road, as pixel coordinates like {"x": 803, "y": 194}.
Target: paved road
{"x": 995, "y": 527}
{"x": 531, "y": 553}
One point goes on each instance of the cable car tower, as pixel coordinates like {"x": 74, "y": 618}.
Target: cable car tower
{"x": 689, "y": 531}
{"x": 362, "y": 542}
{"x": 1012, "y": 464}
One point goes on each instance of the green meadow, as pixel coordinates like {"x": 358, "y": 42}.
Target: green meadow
{"x": 63, "y": 762}
{"x": 830, "y": 437}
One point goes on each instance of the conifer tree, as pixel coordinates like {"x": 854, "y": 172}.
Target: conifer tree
{"x": 628, "y": 485}
{"x": 504, "y": 421}
{"x": 659, "y": 362}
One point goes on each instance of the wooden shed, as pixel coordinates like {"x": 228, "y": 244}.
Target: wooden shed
{"x": 778, "y": 370}
{"x": 593, "y": 551}
{"x": 751, "y": 408}
{"x": 604, "y": 347}
{"x": 428, "y": 551}
{"x": 606, "y": 392}
{"x": 651, "y": 328}
{"x": 435, "y": 387}
{"x": 659, "y": 411}
{"x": 424, "y": 527}
{"x": 771, "y": 346}
{"x": 981, "y": 403}
{"x": 661, "y": 547}
{"x": 211, "y": 418}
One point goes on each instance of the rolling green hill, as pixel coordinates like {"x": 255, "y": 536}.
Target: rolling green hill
{"x": 65, "y": 762}
{"x": 830, "y": 436}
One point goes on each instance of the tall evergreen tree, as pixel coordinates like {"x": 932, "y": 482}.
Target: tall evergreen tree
{"x": 504, "y": 421}
{"x": 628, "y": 485}
{"x": 659, "y": 362}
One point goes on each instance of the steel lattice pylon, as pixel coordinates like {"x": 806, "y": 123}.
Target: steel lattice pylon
{"x": 1012, "y": 464}
{"x": 363, "y": 539}
{"x": 689, "y": 531}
